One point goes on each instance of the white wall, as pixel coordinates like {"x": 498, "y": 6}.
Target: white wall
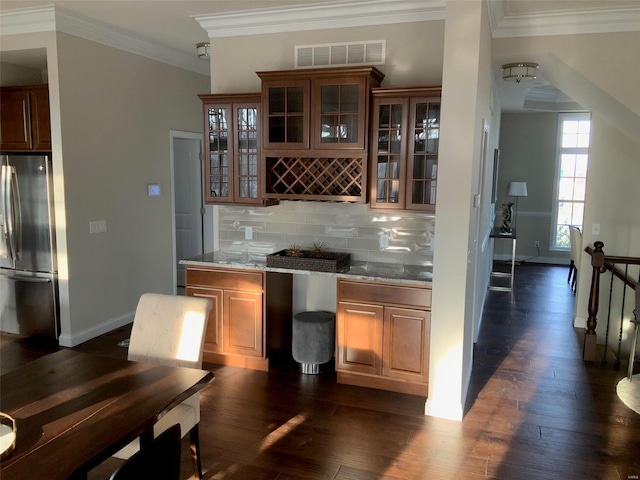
{"x": 465, "y": 102}
{"x": 614, "y": 203}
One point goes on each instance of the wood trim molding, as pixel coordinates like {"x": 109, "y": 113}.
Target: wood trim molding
{"x": 320, "y": 17}
{"x": 57, "y": 18}
{"x": 568, "y": 22}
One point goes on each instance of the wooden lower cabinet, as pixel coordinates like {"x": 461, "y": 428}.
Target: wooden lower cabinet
{"x": 383, "y": 336}
{"x": 242, "y": 305}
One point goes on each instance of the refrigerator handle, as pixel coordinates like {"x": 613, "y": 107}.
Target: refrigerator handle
{"x": 13, "y": 214}
{"x": 5, "y": 249}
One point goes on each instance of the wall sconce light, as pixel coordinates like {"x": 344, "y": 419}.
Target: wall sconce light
{"x": 519, "y": 72}
{"x": 203, "y": 50}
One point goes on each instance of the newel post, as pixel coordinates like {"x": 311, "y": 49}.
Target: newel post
{"x": 597, "y": 263}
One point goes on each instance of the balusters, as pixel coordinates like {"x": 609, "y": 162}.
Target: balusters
{"x": 597, "y": 262}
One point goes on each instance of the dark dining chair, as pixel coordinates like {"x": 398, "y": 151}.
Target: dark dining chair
{"x": 160, "y": 458}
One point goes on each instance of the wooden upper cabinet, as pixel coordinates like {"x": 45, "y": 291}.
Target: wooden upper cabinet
{"x": 232, "y": 148}
{"x": 317, "y": 109}
{"x": 404, "y": 151}
{"x": 24, "y": 119}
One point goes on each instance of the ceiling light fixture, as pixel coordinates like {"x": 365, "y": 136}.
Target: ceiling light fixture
{"x": 203, "y": 50}
{"x": 519, "y": 72}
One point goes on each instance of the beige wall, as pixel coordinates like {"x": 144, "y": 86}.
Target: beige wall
{"x": 111, "y": 114}
{"x": 11, "y": 75}
{"x": 116, "y": 112}
{"x": 528, "y": 153}
{"x": 414, "y": 54}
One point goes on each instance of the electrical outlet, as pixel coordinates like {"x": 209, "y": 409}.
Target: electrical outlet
{"x": 248, "y": 233}
{"x": 536, "y": 244}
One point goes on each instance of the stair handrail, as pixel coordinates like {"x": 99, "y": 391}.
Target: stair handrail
{"x": 600, "y": 263}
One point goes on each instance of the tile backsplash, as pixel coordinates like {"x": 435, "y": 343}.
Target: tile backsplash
{"x": 342, "y": 227}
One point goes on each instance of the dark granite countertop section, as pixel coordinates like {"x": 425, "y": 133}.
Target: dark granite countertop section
{"x": 392, "y": 272}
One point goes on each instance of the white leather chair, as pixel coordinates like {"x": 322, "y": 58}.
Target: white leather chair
{"x": 170, "y": 330}
{"x": 575, "y": 236}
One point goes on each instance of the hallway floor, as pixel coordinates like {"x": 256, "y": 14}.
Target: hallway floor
{"x": 534, "y": 410}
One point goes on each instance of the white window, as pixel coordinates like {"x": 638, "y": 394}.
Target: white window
{"x": 574, "y": 130}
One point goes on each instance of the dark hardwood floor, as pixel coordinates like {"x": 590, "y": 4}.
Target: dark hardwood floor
{"x": 535, "y": 410}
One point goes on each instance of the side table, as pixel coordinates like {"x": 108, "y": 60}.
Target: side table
{"x": 498, "y": 234}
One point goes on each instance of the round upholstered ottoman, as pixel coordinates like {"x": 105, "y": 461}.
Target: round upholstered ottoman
{"x": 313, "y": 340}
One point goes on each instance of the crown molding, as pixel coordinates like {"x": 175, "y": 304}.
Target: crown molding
{"x": 320, "y": 17}
{"x": 56, "y": 18}
{"x": 602, "y": 20}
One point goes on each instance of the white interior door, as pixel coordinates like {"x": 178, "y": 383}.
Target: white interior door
{"x": 189, "y": 212}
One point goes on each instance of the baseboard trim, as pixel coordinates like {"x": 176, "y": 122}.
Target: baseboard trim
{"x": 545, "y": 260}
{"x": 95, "y": 331}
{"x": 580, "y": 322}
{"x": 444, "y": 408}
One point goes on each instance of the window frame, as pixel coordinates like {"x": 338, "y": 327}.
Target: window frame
{"x": 562, "y": 117}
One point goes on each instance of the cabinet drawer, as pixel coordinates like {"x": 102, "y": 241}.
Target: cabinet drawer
{"x": 405, "y": 295}
{"x": 225, "y": 279}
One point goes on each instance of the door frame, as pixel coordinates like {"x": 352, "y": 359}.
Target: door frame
{"x": 207, "y": 219}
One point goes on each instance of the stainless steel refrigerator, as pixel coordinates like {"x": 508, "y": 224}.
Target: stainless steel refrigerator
{"x": 28, "y": 267}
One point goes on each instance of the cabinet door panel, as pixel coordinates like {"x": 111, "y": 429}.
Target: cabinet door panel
{"x": 242, "y": 312}
{"x": 286, "y": 114}
{"x": 406, "y": 344}
{"x": 339, "y": 113}
{"x": 246, "y": 153}
{"x": 214, "y": 333}
{"x": 15, "y": 120}
{"x": 422, "y": 170}
{"x": 218, "y": 153}
{"x": 388, "y": 157}
{"x": 360, "y": 337}
{"x": 40, "y": 122}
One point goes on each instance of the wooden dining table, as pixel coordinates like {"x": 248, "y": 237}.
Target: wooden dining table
{"x": 74, "y": 410}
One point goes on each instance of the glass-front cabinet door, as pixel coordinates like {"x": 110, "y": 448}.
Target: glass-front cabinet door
{"x": 218, "y": 168}
{"x": 388, "y": 153}
{"x": 247, "y": 154}
{"x": 339, "y": 106}
{"x": 422, "y": 167}
{"x": 404, "y": 153}
{"x": 232, "y": 149}
{"x": 287, "y": 115}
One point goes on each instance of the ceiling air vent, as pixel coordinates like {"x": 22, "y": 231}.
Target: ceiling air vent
{"x": 340, "y": 54}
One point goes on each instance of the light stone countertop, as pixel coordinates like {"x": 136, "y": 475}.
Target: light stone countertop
{"x": 390, "y": 272}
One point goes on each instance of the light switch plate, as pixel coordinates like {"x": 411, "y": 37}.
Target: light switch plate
{"x": 97, "y": 226}
{"x": 595, "y": 229}
{"x": 154, "y": 189}
{"x": 248, "y": 233}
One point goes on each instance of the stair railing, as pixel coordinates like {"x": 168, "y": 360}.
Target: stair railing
{"x": 619, "y": 268}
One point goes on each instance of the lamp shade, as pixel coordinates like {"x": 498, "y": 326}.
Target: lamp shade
{"x": 518, "y": 189}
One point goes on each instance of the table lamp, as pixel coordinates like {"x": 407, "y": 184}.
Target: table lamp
{"x": 517, "y": 189}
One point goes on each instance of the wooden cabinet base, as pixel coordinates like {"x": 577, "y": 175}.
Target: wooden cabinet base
{"x": 252, "y": 363}
{"x": 381, "y": 383}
